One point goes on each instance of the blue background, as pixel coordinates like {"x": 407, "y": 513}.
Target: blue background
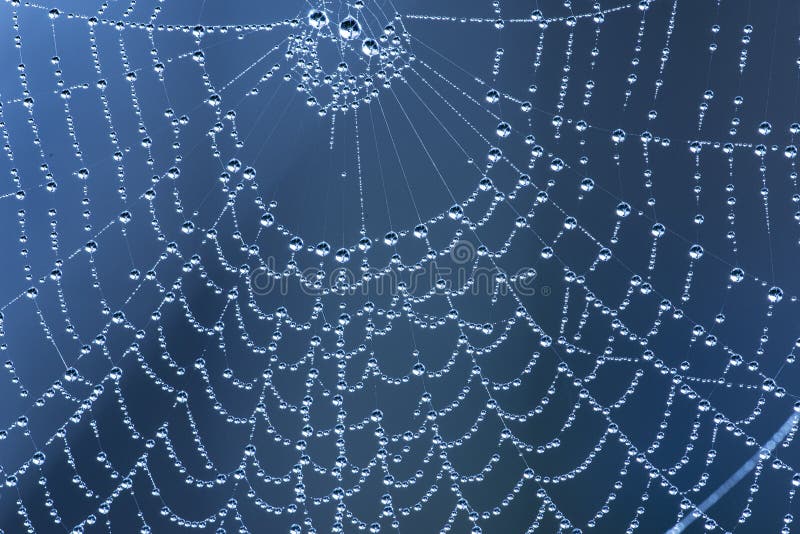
{"x": 414, "y": 142}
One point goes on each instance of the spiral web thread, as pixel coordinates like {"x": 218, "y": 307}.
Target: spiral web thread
{"x": 177, "y": 291}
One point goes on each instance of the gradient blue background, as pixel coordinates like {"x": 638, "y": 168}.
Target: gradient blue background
{"x": 289, "y": 145}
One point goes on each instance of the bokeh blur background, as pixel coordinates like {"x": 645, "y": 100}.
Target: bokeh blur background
{"x": 631, "y": 383}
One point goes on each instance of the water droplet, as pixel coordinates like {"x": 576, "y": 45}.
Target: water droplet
{"x": 349, "y": 28}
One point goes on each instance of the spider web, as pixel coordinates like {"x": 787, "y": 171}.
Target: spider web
{"x": 473, "y": 266}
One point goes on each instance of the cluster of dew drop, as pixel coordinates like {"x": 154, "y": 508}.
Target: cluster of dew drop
{"x": 373, "y": 49}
